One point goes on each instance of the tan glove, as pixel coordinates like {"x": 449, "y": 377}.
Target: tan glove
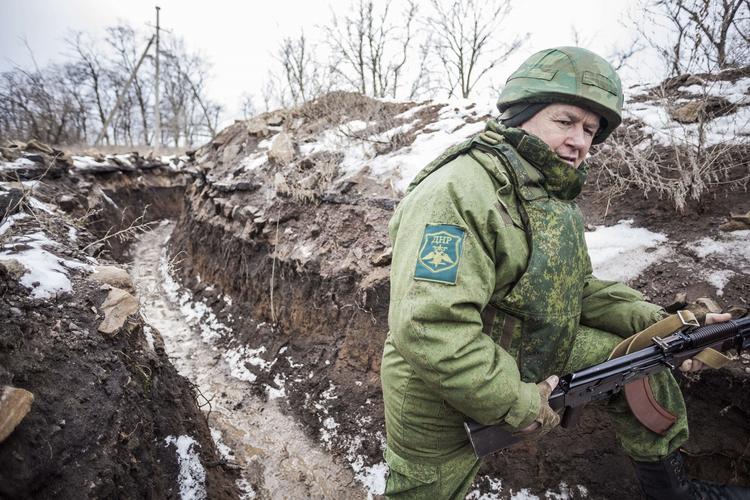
{"x": 694, "y": 365}
{"x": 547, "y": 418}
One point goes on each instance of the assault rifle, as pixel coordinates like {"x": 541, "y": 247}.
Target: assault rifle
{"x": 602, "y": 381}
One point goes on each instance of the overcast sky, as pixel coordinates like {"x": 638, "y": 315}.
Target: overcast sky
{"x": 239, "y": 37}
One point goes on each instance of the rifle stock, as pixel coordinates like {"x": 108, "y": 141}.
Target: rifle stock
{"x": 601, "y": 381}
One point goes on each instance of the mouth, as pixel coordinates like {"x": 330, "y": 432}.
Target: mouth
{"x": 570, "y": 160}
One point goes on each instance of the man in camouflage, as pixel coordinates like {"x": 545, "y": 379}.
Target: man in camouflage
{"x": 492, "y": 292}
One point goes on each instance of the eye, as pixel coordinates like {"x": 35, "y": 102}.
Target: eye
{"x": 589, "y": 131}
{"x": 563, "y": 121}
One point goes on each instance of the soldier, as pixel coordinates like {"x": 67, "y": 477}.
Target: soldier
{"x": 492, "y": 292}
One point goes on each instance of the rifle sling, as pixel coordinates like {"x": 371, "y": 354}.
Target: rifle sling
{"x": 638, "y": 394}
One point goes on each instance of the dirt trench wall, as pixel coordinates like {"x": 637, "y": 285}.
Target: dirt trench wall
{"x": 122, "y": 200}
{"x": 333, "y": 298}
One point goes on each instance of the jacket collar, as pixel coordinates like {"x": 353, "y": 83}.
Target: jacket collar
{"x": 560, "y": 180}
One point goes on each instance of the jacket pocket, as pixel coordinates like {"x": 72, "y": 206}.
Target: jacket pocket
{"x": 419, "y": 480}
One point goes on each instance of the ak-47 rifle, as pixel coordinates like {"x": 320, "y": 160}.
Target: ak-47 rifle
{"x": 602, "y": 381}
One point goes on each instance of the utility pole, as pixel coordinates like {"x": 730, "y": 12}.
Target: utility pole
{"x": 157, "y": 128}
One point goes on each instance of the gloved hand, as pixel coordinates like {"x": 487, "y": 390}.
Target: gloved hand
{"x": 547, "y": 418}
{"x": 694, "y": 365}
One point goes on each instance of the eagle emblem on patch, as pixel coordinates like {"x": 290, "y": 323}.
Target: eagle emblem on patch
{"x": 440, "y": 253}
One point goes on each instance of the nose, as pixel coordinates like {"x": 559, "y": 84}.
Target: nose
{"x": 576, "y": 137}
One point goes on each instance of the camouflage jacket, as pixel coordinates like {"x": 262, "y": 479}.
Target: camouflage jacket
{"x": 461, "y": 267}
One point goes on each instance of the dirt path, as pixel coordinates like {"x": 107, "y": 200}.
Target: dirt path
{"x": 277, "y": 459}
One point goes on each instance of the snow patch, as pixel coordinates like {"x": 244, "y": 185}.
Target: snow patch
{"x": 719, "y": 279}
{"x": 47, "y": 274}
{"x": 622, "y": 252}
{"x": 10, "y": 221}
{"x": 224, "y": 450}
{"x": 192, "y": 477}
{"x": 149, "y": 333}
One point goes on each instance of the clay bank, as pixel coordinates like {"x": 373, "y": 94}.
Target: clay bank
{"x": 268, "y": 290}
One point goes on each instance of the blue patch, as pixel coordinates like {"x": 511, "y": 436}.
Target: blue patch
{"x": 440, "y": 253}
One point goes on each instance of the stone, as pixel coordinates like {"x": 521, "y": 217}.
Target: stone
{"x": 382, "y": 259}
{"x": 66, "y": 202}
{"x": 701, "y": 109}
{"x": 280, "y": 184}
{"x": 257, "y": 127}
{"x": 282, "y": 149}
{"x": 736, "y": 222}
{"x": 118, "y": 305}
{"x": 679, "y": 303}
{"x": 275, "y": 120}
{"x": 709, "y": 304}
{"x": 39, "y": 146}
{"x": 113, "y": 276}
{"x": 15, "y": 269}
{"x": 15, "y": 404}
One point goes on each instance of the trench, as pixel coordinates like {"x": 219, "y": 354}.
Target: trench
{"x": 273, "y": 455}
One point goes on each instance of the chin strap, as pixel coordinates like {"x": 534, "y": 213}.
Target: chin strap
{"x": 638, "y": 394}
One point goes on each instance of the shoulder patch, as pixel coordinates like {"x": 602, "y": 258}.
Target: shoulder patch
{"x": 440, "y": 253}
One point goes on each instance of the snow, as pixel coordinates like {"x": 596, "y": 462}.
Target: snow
{"x": 718, "y": 279}
{"x": 10, "y": 221}
{"x": 192, "y": 477}
{"x": 734, "y": 245}
{"x": 254, "y": 161}
{"x": 721, "y": 130}
{"x": 47, "y": 274}
{"x": 149, "y": 333}
{"x": 406, "y": 163}
{"x": 224, "y": 450}
{"x": 400, "y": 166}
{"x": 564, "y": 492}
{"x": 87, "y": 163}
{"x": 40, "y": 205}
{"x": 622, "y": 252}
{"x": 16, "y": 165}
{"x": 197, "y": 314}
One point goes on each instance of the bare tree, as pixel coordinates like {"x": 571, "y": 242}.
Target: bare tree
{"x": 248, "y": 106}
{"x": 91, "y": 61}
{"x": 372, "y": 49}
{"x": 705, "y": 35}
{"x": 620, "y": 57}
{"x": 187, "y": 110}
{"x": 304, "y": 75}
{"x": 465, "y": 43}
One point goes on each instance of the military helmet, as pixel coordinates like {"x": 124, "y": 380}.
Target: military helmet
{"x": 568, "y": 75}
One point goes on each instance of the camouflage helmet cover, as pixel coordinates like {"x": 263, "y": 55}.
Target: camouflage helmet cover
{"x": 569, "y": 75}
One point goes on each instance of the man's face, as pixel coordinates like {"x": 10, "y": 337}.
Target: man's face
{"x": 567, "y": 129}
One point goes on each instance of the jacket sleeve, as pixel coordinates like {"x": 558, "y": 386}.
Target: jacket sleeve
{"x": 437, "y": 326}
{"x": 617, "y": 308}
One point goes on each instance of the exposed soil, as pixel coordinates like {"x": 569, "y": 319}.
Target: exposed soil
{"x": 103, "y": 405}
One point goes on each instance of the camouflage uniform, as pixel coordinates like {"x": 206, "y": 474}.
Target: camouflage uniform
{"x": 491, "y": 292}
